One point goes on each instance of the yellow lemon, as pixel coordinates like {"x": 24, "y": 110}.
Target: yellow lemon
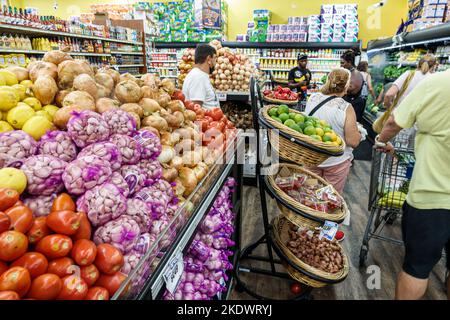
{"x": 19, "y": 115}
{"x": 26, "y": 83}
{"x": 2, "y": 80}
{"x": 10, "y": 77}
{"x": 44, "y": 114}
{"x": 13, "y": 178}
{"x": 335, "y": 144}
{"x": 34, "y": 103}
{"x": 5, "y": 126}
{"x": 51, "y": 109}
{"x": 339, "y": 141}
{"x": 37, "y": 126}
{"x": 323, "y": 123}
{"x": 319, "y": 132}
{"x": 8, "y": 98}
{"x": 21, "y": 91}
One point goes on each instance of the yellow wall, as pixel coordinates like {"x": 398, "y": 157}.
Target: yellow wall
{"x": 382, "y": 22}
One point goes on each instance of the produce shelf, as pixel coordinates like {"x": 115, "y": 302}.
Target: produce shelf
{"x": 34, "y": 31}
{"x": 127, "y": 53}
{"x": 85, "y": 54}
{"x": 267, "y": 45}
{"x": 129, "y": 66}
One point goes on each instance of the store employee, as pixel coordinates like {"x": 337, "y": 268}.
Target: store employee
{"x": 197, "y": 86}
{"x": 300, "y": 76}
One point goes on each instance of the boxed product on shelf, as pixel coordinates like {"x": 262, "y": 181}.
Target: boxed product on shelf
{"x": 339, "y": 9}
{"x": 207, "y": 14}
{"x": 327, "y": 9}
{"x": 326, "y": 19}
{"x": 351, "y": 9}
{"x": 314, "y": 20}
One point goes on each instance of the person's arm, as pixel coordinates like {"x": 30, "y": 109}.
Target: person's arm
{"x": 291, "y": 80}
{"x": 356, "y": 83}
{"x": 394, "y": 90}
{"x": 352, "y": 135}
{"x": 370, "y": 86}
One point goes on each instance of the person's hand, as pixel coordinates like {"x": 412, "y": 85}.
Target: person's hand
{"x": 388, "y": 148}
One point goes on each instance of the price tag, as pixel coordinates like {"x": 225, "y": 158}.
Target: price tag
{"x": 328, "y": 230}
{"x": 222, "y": 96}
{"x": 174, "y": 272}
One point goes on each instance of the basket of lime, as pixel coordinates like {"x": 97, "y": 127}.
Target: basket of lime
{"x": 300, "y": 139}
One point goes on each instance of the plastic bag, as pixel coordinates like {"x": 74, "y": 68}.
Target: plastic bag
{"x": 44, "y": 174}
{"x": 87, "y": 127}
{"x": 58, "y": 144}
{"x": 151, "y": 146}
{"x": 129, "y": 148}
{"x": 17, "y": 144}
{"x": 119, "y": 122}
{"x": 106, "y": 151}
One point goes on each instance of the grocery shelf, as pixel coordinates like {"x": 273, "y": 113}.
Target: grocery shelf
{"x": 129, "y": 66}
{"x": 160, "y": 61}
{"x": 295, "y": 59}
{"x": 128, "y": 53}
{"x": 89, "y": 54}
{"x": 164, "y": 68}
{"x": 267, "y": 45}
{"x": 287, "y": 70}
{"x": 22, "y": 51}
{"x": 34, "y": 31}
{"x": 86, "y": 54}
{"x": 235, "y": 96}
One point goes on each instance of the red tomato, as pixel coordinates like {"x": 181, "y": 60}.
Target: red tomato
{"x": 9, "y": 295}
{"x": 296, "y": 288}
{"x": 38, "y": 230}
{"x": 90, "y": 274}
{"x": 111, "y": 282}
{"x": 64, "y": 222}
{"x": 16, "y": 279}
{"x": 215, "y": 113}
{"x": 21, "y": 218}
{"x": 3, "y": 267}
{"x": 54, "y": 246}
{"x": 85, "y": 230}
{"x": 63, "y": 202}
{"x": 5, "y": 222}
{"x": 84, "y": 252}
{"x": 60, "y": 267}
{"x": 18, "y": 203}
{"x": 73, "y": 288}
{"x": 45, "y": 287}
{"x": 189, "y": 105}
{"x": 109, "y": 259}
{"x": 217, "y": 125}
{"x": 13, "y": 244}
{"x": 34, "y": 262}
{"x": 203, "y": 124}
{"x": 178, "y": 95}
{"x": 8, "y": 197}
{"x": 97, "y": 293}
{"x": 209, "y": 119}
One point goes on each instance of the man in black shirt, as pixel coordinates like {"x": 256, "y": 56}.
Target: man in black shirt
{"x": 300, "y": 77}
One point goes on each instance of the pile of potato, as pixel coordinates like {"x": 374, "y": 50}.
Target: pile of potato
{"x": 321, "y": 254}
{"x": 239, "y": 114}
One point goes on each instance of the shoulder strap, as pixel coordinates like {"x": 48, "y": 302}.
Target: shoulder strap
{"x": 320, "y": 105}
{"x": 403, "y": 89}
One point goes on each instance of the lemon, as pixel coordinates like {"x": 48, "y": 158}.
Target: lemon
{"x": 323, "y": 123}
{"x": 34, "y": 103}
{"x": 10, "y": 77}
{"x": 13, "y": 178}
{"x": 3, "y": 115}
{"x": 45, "y": 114}
{"x": 5, "y": 126}
{"x": 339, "y": 141}
{"x": 50, "y": 109}
{"x": 316, "y": 137}
{"x": 332, "y": 135}
{"x": 8, "y": 98}
{"x": 2, "y": 81}
{"x": 319, "y": 132}
{"x": 19, "y": 115}
{"x": 26, "y": 83}
{"x": 37, "y": 126}
{"x": 21, "y": 91}
{"x": 334, "y": 143}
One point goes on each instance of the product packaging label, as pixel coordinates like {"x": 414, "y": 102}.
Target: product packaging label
{"x": 329, "y": 230}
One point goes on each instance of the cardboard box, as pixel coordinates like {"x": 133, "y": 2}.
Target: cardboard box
{"x": 314, "y": 20}
{"x": 338, "y": 38}
{"x": 339, "y": 9}
{"x": 315, "y": 38}
{"x": 339, "y": 18}
{"x": 351, "y": 9}
{"x": 351, "y": 19}
{"x": 327, "y": 9}
{"x": 326, "y": 18}
{"x": 325, "y": 27}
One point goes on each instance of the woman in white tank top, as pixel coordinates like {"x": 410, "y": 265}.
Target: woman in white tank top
{"x": 342, "y": 118}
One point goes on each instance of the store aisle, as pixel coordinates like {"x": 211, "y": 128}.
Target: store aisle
{"x": 387, "y": 256}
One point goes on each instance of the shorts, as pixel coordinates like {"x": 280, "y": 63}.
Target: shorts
{"x": 425, "y": 234}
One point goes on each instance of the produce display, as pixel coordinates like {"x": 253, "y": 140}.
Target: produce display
{"x": 186, "y": 64}
{"x": 317, "y": 129}
{"x": 309, "y": 191}
{"x": 319, "y": 253}
{"x": 393, "y": 72}
{"x": 207, "y": 261}
{"x": 281, "y": 94}
{"x": 239, "y": 114}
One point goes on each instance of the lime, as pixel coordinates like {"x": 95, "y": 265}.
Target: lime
{"x": 283, "y": 109}
{"x": 309, "y": 130}
{"x": 273, "y": 112}
{"x": 292, "y": 115}
{"x": 299, "y": 118}
{"x": 296, "y": 127}
{"x": 309, "y": 124}
{"x": 327, "y": 138}
{"x": 283, "y": 117}
{"x": 323, "y": 123}
{"x": 316, "y": 137}
{"x": 327, "y": 129}
{"x": 288, "y": 122}
{"x": 277, "y": 119}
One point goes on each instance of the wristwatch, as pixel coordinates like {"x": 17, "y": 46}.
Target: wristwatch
{"x": 378, "y": 143}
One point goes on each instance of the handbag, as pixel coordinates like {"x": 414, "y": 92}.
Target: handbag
{"x": 378, "y": 125}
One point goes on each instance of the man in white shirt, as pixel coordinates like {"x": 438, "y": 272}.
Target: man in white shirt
{"x": 197, "y": 86}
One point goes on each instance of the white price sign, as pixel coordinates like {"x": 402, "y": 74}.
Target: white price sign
{"x": 174, "y": 272}
{"x": 222, "y": 96}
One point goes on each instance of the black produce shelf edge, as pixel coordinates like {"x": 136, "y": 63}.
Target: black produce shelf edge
{"x": 436, "y": 34}
{"x": 266, "y": 45}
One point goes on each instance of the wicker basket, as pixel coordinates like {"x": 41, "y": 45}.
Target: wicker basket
{"x": 299, "y": 270}
{"x": 286, "y": 102}
{"x": 296, "y": 147}
{"x": 298, "y": 213}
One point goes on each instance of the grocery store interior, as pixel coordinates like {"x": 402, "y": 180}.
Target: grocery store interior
{"x": 137, "y": 164}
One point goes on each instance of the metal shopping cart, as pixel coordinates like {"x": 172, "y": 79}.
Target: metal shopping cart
{"x": 389, "y": 183}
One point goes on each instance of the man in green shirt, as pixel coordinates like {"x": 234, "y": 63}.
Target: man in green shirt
{"x": 426, "y": 212}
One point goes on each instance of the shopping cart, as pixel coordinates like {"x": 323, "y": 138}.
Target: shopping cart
{"x": 389, "y": 183}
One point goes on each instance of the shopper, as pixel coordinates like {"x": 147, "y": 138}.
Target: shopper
{"x": 426, "y": 211}
{"x": 197, "y": 86}
{"x": 300, "y": 76}
{"x": 330, "y": 106}
{"x": 363, "y": 67}
{"x": 353, "y": 95}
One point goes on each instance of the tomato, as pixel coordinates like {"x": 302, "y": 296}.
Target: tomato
{"x": 18, "y": 203}
{"x": 8, "y": 197}
{"x": 54, "y": 246}
{"x": 73, "y": 288}
{"x": 16, "y": 279}
{"x": 9, "y": 295}
{"x": 111, "y": 282}
{"x": 38, "y": 230}
{"x": 203, "y": 124}
{"x": 85, "y": 230}
{"x": 216, "y": 125}
{"x": 13, "y": 244}
{"x": 97, "y": 293}
{"x": 34, "y": 262}
{"x": 45, "y": 287}
{"x": 63, "y": 202}
{"x": 189, "y": 105}
{"x": 215, "y": 113}
{"x": 109, "y": 259}
{"x": 61, "y": 267}
{"x": 90, "y": 274}
{"x": 3, "y": 267}
{"x": 84, "y": 252}
{"x": 21, "y": 218}
{"x": 296, "y": 288}
{"x": 178, "y": 95}
{"x": 5, "y": 222}
{"x": 64, "y": 222}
